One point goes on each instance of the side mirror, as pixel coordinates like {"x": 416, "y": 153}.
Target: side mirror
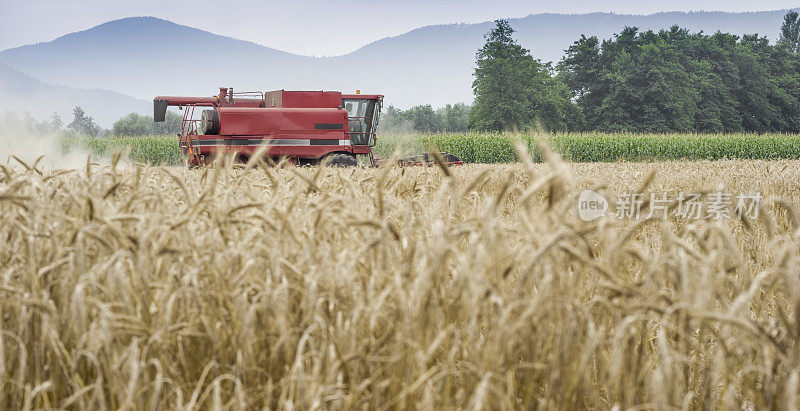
{"x": 160, "y": 110}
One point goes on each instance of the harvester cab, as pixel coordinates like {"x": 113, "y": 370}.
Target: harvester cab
{"x": 363, "y": 113}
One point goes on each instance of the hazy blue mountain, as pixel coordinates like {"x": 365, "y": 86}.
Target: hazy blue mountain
{"x": 20, "y": 93}
{"x": 146, "y": 56}
{"x": 143, "y": 56}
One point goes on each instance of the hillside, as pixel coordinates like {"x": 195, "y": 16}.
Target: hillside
{"x": 20, "y": 93}
{"x": 145, "y": 56}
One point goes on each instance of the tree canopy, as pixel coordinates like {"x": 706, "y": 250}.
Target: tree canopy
{"x": 82, "y": 123}
{"x": 790, "y": 33}
{"x": 424, "y": 118}
{"x": 138, "y": 125}
{"x": 513, "y": 90}
{"x": 670, "y": 80}
{"x": 674, "y": 80}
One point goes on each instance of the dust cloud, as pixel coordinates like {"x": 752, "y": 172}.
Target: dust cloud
{"x": 29, "y": 141}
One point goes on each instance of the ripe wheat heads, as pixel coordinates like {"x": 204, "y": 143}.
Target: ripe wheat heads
{"x": 239, "y": 287}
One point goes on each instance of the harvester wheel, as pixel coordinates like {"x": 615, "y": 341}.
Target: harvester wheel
{"x": 340, "y": 160}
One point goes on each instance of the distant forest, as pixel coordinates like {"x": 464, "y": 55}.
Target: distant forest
{"x": 671, "y": 80}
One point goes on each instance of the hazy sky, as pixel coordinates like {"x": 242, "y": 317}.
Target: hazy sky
{"x": 314, "y": 27}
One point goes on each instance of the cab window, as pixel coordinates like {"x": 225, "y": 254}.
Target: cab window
{"x": 360, "y": 113}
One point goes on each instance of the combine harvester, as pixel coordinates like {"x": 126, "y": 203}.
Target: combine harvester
{"x": 304, "y": 127}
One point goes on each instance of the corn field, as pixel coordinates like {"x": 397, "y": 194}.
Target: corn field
{"x": 153, "y": 150}
{"x": 244, "y": 286}
{"x": 599, "y": 147}
{"x": 500, "y": 148}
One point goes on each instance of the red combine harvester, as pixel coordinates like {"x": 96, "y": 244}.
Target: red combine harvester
{"x": 302, "y": 126}
{"x": 305, "y": 127}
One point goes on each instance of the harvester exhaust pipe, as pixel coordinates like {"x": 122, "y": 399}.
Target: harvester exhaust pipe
{"x": 160, "y": 110}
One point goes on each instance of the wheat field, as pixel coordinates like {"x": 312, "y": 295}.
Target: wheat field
{"x": 141, "y": 287}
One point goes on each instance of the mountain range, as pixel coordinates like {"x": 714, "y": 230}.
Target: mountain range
{"x": 21, "y": 93}
{"x": 146, "y": 56}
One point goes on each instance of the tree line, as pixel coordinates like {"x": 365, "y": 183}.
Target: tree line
{"x": 670, "y": 80}
{"x": 138, "y": 125}
{"x": 426, "y": 119}
{"x": 83, "y": 124}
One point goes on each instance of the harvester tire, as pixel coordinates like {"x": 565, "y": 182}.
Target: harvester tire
{"x": 340, "y": 160}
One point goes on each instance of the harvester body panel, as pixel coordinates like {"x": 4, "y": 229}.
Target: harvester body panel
{"x": 283, "y": 122}
{"x": 302, "y": 99}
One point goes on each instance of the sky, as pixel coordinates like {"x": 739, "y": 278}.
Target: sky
{"x": 314, "y": 27}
